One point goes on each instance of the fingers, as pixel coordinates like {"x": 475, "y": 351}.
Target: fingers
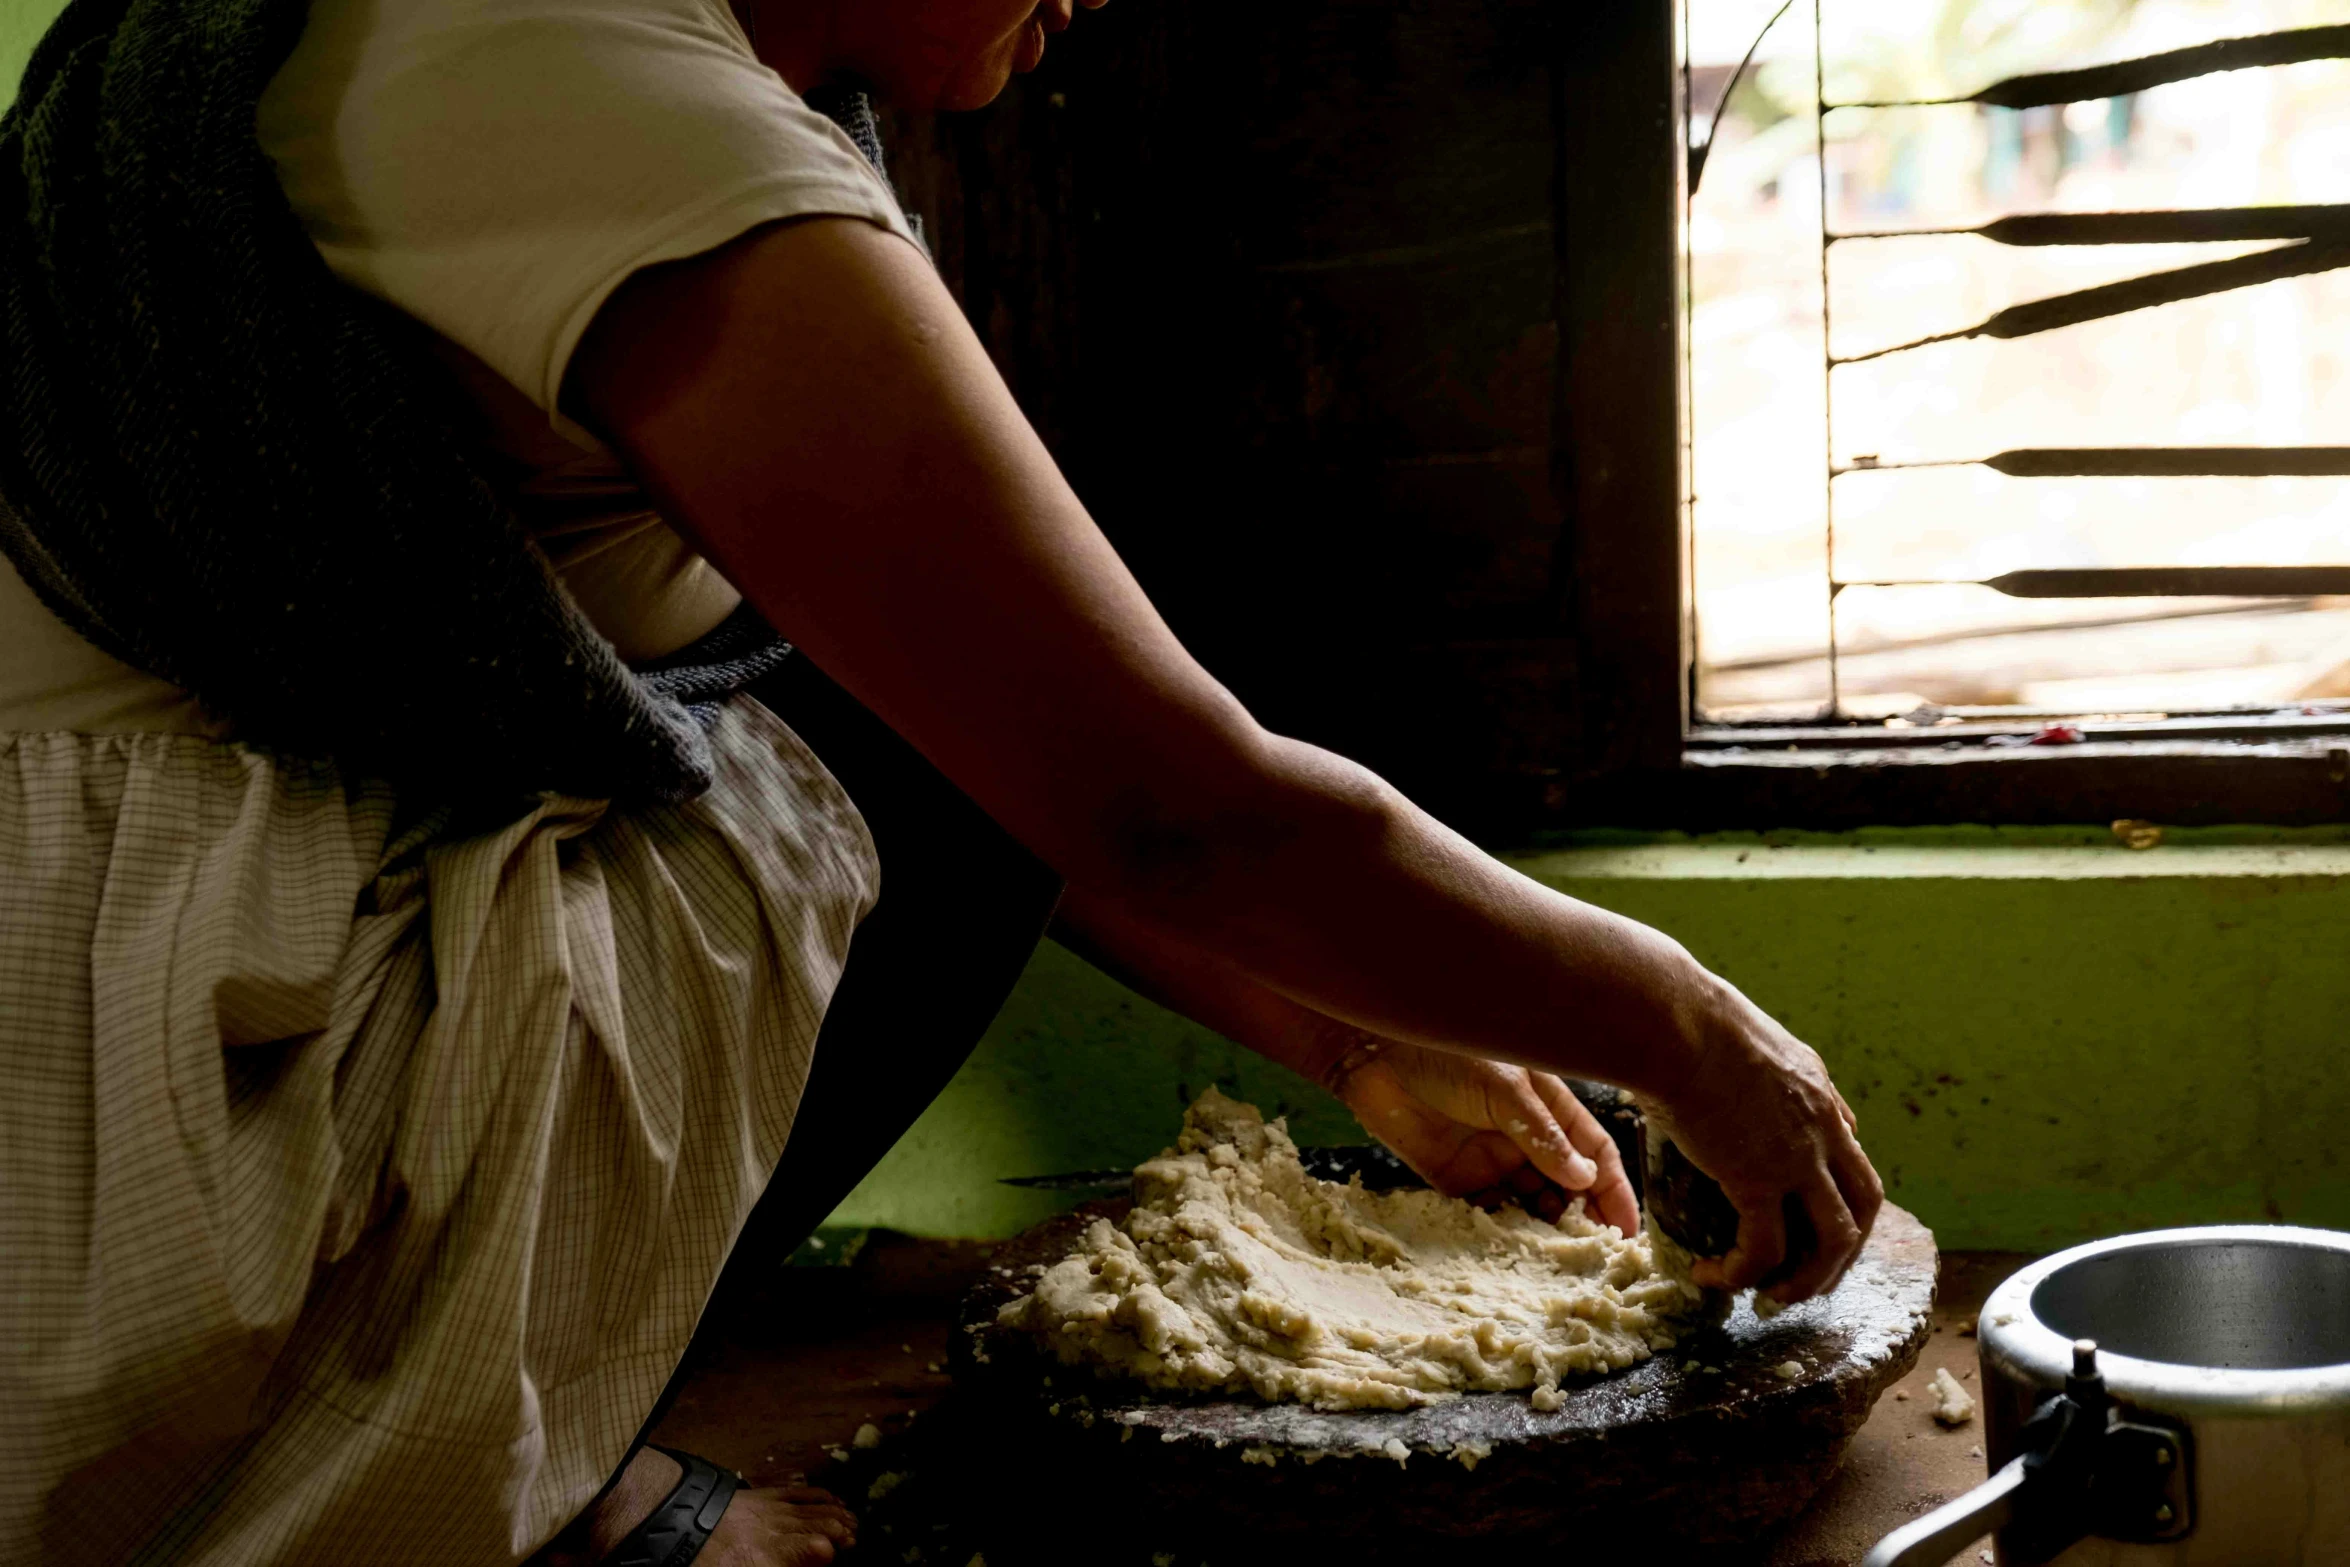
{"x": 1520, "y": 1111}
{"x": 1490, "y": 1132}
{"x": 1838, "y": 1242}
{"x": 1528, "y": 1121}
{"x": 1863, "y": 1191}
{"x": 1844, "y": 1208}
{"x": 1490, "y": 1155}
{"x": 1836, "y": 1208}
{"x": 1610, "y": 1196}
{"x": 1762, "y": 1245}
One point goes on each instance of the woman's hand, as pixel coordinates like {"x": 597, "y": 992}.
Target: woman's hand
{"x": 1482, "y": 1130}
{"x": 1755, "y": 1110}
{"x": 1470, "y": 1127}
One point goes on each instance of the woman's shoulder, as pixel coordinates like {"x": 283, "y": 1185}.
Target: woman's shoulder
{"x": 495, "y": 167}
{"x": 359, "y": 45}
{"x": 373, "y": 87}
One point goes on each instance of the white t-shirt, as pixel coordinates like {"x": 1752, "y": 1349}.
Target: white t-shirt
{"x": 495, "y": 169}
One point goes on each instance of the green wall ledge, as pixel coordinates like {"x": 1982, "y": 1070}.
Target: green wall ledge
{"x": 2048, "y": 1036}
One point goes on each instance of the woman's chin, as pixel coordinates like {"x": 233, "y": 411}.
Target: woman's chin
{"x": 974, "y": 91}
{"x": 984, "y": 81}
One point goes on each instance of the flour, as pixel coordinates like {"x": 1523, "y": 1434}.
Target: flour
{"x": 1238, "y": 1272}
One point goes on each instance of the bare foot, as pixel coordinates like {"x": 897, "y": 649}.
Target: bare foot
{"x": 793, "y": 1526}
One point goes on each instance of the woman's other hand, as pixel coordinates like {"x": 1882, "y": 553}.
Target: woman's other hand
{"x": 1469, "y": 1126}
{"x": 1485, "y": 1130}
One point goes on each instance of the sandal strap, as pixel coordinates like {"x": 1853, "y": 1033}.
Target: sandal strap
{"x": 675, "y": 1532}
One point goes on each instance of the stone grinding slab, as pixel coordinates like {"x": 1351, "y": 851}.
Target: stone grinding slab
{"x": 1695, "y": 1454}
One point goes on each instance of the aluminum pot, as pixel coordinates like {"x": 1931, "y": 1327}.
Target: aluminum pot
{"x": 2176, "y": 1397}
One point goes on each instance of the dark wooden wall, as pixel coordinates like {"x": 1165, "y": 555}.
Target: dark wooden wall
{"x": 1281, "y": 287}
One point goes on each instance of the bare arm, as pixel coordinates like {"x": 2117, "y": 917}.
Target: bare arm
{"x": 902, "y": 523}
{"x": 1472, "y": 1127}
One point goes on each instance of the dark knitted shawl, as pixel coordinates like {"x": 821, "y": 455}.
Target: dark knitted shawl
{"x": 223, "y": 466}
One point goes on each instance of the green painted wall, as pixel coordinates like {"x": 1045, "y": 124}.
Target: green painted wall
{"x": 22, "y": 22}
{"x": 2048, "y": 1037}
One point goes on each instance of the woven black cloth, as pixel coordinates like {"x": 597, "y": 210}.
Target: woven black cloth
{"x": 850, "y": 107}
{"x": 223, "y": 466}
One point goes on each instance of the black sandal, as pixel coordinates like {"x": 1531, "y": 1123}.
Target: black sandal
{"x": 675, "y": 1532}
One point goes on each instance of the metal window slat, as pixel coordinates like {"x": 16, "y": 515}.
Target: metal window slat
{"x": 2173, "y": 582}
{"x": 2131, "y": 294}
{"x": 2109, "y": 582}
{"x": 2177, "y": 226}
{"x": 2139, "y": 462}
{"x": 2045, "y": 89}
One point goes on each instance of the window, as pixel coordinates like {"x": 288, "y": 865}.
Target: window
{"x": 2014, "y": 400}
{"x": 1360, "y": 329}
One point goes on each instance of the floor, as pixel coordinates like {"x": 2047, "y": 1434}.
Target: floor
{"x": 799, "y": 1368}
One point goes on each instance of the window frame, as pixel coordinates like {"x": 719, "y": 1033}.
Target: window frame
{"x": 1644, "y": 759}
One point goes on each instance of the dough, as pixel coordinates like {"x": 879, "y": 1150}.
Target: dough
{"x": 1238, "y": 1272}
{"x": 1953, "y": 1405}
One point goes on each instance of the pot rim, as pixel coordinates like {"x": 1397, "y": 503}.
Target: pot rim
{"x": 2009, "y": 1335}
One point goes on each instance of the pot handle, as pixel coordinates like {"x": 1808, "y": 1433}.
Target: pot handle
{"x": 2081, "y": 1471}
{"x": 1932, "y": 1540}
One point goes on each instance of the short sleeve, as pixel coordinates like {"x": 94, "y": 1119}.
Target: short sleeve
{"x": 496, "y": 168}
